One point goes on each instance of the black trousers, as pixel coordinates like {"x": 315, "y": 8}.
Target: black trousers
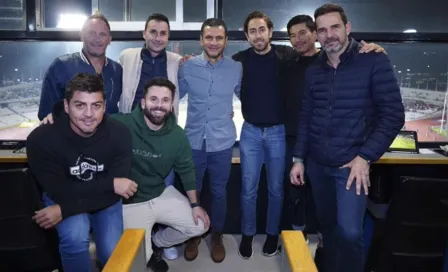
{"x": 298, "y": 208}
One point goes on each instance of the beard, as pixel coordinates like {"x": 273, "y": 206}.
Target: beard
{"x": 155, "y": 119}
{"x": 263, "y": 46}
{"x": 335, "y": 48}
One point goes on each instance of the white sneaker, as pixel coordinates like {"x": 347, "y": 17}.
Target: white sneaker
{"x": 170, "y": 253}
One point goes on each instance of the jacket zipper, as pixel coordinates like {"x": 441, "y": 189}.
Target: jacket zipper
{"x": 112, "y": 92}
{"x": 329, "y": 111}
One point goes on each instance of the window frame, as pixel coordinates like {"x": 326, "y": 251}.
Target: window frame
{"x": 190, "y": 32}
{"x": 179, "y": 24}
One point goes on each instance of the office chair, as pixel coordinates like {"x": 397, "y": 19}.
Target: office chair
{"x": 24, "y": 246}
{"x": 414, "y": 234}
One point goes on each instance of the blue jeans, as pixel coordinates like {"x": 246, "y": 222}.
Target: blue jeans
{"x": 258, "y": 145}
{"x": 340, "y": 213}
{"x": 218, "y": 165}
{"x": 170, "y": 179}
{"x": 74, "y": 236}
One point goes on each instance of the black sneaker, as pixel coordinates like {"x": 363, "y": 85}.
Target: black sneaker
{"x": 319, "y": 259}
{"x": 245, "y": 251}
{"x": 270, "y": 247}
{"x": 157, "y": 263}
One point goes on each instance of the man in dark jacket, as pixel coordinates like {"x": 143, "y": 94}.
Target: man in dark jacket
{"x": 91, "y": 59}
{"x": 302, "y": 36}
{"x": 82, "y": 163}
{"x": 351, "y": 113}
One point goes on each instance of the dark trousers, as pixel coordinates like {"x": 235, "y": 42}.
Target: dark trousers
{"x": 295, "y": 201}
{"x": 340, "y": 213}
{"x": 218, "y": 165}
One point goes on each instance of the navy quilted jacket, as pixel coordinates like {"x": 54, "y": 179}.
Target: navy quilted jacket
{"x": 353, "y": 110}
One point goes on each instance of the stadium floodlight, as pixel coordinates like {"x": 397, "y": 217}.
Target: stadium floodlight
{"x": 410, "y": 31}
{"x": 71, "y": 21}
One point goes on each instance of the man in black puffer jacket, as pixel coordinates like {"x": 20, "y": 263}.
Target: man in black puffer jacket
{"x": 351, "y": 113}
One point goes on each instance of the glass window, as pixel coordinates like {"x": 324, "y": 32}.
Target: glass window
{"x": 114, "y": 10}
{"x": 195, "y": 10}
{"x": 422, "y": 78}
{"x": 12, "y": 15}
{"x": 366, "y": 16}
{"x": 65, "y": 14}
{"x": 141, "y": 9}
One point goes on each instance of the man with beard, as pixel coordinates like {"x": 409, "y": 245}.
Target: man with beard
{"x": 263, "y": 133}
{"x": 140, "y": 65}
{"x": 339, "y": 136}
{"x": 298, "y": 201}
{"x": 211, "y": 80}
{"x": 82, "y": 164}
{"x": 160, "y": 145}
{"x": 95, "y": 35}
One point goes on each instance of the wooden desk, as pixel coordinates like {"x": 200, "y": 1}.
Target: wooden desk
{"x": 7, "y": 156}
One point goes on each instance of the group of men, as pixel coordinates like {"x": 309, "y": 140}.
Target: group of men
{"x": 109, "y": 172}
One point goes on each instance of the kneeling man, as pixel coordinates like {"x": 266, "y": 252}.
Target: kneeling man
{"x": 160, "y": 145}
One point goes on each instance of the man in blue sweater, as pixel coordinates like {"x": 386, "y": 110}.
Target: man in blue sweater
{"x": 352, "y": 110}
{"x": 92, "y": 59}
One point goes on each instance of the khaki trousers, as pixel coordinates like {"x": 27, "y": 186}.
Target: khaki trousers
{"x": 172, "y": 209}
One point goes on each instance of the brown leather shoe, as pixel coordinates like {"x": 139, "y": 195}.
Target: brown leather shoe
{"x": 191, "y": 248}
{"x": 218, "y": 250}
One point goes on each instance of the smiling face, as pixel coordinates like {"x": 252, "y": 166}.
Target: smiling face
{"x": 332, "y": 33}
{"x": 95, "y": 37}
{"x": 259, "y": 35}
{"x": 156, "y": 36}
{"x": 302, "y": 38}
{"x": 213, "y": 41}
{"x": 157, "y": 104}
{"x": 86, "y": 111}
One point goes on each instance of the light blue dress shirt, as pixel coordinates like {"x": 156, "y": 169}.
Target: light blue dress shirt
{"x": 210, "y": 88}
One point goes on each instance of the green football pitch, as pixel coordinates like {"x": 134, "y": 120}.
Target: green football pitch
{"x": 403, "y": 143}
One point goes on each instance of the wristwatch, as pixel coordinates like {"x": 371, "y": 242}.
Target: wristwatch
{"x": 194, "y": 205}
{"x": 294, "y": 160}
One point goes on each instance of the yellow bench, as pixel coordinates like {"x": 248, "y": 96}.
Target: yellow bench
{"x": 130, "y": 249}
{"x": 297, "y": 252}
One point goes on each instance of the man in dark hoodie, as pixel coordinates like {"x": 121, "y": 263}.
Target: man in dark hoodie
{"x": 82, "y": 163}
{"x": 160, "y": 145}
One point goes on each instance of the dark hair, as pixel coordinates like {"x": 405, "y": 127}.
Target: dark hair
{"x": 85, "y": 82}
{"x": 301, "y": 19}
{"x": 99, "y": 16}
{"x": 213, "y": 22}
{"x": 257, "y": 15}
{"x": 157, "y": 17}
{"x": 160, "y": 82}
{"x": 328, "y": 8}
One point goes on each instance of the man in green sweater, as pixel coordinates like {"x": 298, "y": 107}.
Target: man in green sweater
{"x": 160, "y": 145}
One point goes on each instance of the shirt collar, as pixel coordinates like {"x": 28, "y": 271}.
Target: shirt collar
{"x": 86, "y": 60}
{"x": 205, "y": 62}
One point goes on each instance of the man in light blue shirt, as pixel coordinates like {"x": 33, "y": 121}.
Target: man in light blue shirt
{"x": 211, "y": 80}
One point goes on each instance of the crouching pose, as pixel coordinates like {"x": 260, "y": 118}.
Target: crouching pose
{"x": 82, "y": 164}
{"x": 160, "y": 145}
